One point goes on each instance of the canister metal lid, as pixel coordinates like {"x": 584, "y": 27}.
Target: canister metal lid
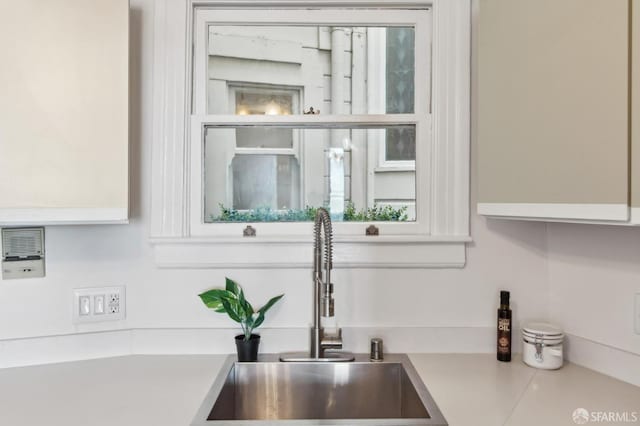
{"x": 542, "y": 332}
{"x": 542, "y": 329}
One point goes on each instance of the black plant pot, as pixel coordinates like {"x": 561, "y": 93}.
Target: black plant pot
{"x": 247, "y": 349}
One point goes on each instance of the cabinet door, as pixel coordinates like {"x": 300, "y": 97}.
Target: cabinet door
{"x": 635, "y": 112}
{"x": 553, "y": 99}
{"x": 64, "y": 111}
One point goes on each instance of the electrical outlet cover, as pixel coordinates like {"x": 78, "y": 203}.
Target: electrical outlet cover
{"x": 105, "y": 304}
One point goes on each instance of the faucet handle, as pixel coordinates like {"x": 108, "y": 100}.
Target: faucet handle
{"x": 331, "y": 341}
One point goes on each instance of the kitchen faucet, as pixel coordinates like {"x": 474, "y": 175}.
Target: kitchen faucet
{"x": 323, "y": 345}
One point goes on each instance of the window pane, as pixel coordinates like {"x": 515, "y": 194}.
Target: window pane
{"x": 400, "y": 70}
{"x": 335, "y": 70}
{"x": 264, "y": 137}
{"x": 265, "y": 181}
{"x": 325, "y": 167}
{"x": 262, "y": 102}
{"x": 401, "y": 144}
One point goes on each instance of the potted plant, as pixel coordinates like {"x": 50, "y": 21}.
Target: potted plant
{"x": 231, "y": 301}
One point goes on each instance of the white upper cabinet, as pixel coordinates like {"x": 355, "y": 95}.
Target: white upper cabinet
{"x": 554, "y": 135}
{"x": 64, "y": 111}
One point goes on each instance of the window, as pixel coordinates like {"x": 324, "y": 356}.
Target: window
{"x": 252, "y": 169}
{"x": 362, "y": 110}
{"x": 257, "y": 165}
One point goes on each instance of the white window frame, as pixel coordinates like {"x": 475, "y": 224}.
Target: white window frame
{"x": 437, "y": 241}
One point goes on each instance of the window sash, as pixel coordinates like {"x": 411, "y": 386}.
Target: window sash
{"x": 273, "y": 229}
{"x": 420, "y": 19}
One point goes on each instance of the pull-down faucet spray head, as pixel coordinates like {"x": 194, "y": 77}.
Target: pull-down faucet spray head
{"x": 323, "y": 223}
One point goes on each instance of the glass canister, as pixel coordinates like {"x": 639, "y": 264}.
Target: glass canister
{"x": 542, "y": 345}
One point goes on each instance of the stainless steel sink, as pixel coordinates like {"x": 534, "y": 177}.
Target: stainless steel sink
{"x": 306, "y": 393}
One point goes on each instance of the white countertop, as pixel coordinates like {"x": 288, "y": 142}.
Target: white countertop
{"x": 166, "y": 390}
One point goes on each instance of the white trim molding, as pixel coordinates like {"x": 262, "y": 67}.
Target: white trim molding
{"x": 446, "y": 156}
{"x": 169, "y": 210}
{"x": 614, "y": 362}
{"x": 63, "y": 216}
{"x": 451, "y": 109}
{"x": 556, "y": 211}
{"x": 270, "y": 254}
{"x": 634, "y": 215}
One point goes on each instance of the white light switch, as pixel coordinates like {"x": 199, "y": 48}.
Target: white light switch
{"x": 98, "y": 304}
{"x": 85, "y": 305}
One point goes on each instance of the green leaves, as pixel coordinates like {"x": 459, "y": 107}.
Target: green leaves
{"x": 232, "y": 301}
{"x": 351, "y": 214}
{"x": 232, "y": 286}
{"x": 260, "y": 318}
{"x": 213, "y": 299}
{"x": 270, "y": 303}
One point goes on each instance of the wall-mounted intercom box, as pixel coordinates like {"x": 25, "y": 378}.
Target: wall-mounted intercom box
{"x": 22, "y": 253}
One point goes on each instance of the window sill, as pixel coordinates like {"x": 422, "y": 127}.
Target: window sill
{"x": 296, "y": 252}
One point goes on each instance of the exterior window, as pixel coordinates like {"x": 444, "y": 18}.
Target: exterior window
{"x": 258, "y": 167}
{"x": 279, "y": 110}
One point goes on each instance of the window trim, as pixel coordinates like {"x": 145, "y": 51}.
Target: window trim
{"x": 175, "y": 246}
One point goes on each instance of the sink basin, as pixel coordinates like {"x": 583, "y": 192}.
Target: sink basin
{"x": 308, "y": 393}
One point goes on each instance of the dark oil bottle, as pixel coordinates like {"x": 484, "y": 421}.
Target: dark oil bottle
{"x": 504, "y": 328}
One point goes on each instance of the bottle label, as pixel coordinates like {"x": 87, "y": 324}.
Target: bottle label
{"x": 504, "y": 341}
{"x": 503, "y": 345}
{"x": 504, "y": 325}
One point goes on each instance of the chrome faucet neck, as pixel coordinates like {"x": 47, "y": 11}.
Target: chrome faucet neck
{"x": 322, "y": 296}
{"x": 322, "y": 223}
{"x": 324, "y": 302}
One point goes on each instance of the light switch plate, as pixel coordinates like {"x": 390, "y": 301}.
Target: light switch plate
{"x": 105, "y": 304}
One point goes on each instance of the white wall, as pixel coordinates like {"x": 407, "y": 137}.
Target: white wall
{"x": 594, "y": 273}
{"x": 504, "y": 255}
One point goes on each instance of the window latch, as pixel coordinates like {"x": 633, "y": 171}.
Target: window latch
{"x": 249, "y": 231}
{"x": 372, "y": 231}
